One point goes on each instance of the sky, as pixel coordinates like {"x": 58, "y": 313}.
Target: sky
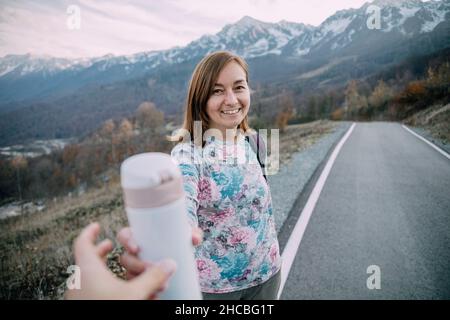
{"x": 91, "y": 28}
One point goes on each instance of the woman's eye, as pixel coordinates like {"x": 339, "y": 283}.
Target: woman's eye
{"x": 240, "y": 88}
{"x": 217, "y": 91}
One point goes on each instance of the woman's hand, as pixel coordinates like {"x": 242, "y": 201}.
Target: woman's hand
{"x": 98, "y": 282}
{"x": 130, "y": 260}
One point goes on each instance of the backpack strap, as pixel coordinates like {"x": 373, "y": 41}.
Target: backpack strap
{"x": 259, "y": 147}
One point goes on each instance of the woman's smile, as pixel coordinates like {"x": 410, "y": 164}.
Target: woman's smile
{"x": 232, "y": 112}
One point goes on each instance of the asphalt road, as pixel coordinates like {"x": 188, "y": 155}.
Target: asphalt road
{"x": 386, "y": 202}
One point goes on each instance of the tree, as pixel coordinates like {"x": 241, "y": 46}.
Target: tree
{"x": 125, "y": 133}
{"x": 19, "y": 163}
{"x": 149, "y": 120}
{"x": 69, "y": 154}
{"x": 286, "y": 105}
{"x": 148, "y": 117}
{"x": 337, "y": 114}
{"x": 312, "y": 108}
{"x": 380, "y": 95}
{"x": 323, "y": 106}
{"x": 354, "y": 104}
{"x": 351, "y": 99}
{"x": 107, "y": 129}
{"x": 283, "y": 118}
{"x": 440, "y": 75}
{"x": 7, "y": 180}
{"x": 438, "y": 84}
{"x": 107, "y": 133}
{"x": 412, "y": 99}
{"x": 414, "y": 91}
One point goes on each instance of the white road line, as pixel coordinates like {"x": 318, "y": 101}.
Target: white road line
{"x": 445, "y": 154}
{"x": 290, "y": 251}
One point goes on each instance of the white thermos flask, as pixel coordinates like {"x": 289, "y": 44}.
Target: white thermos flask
{"x": 156, "y": 209}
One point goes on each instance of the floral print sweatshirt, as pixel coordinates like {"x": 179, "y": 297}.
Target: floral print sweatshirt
{"x": 229, "y": 199}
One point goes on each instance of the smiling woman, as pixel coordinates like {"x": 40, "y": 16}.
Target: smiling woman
{"x": 239, "y": 256}
{"x": 228, "y": 200}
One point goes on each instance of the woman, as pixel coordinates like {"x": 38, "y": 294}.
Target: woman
{"x": 227, "y": 195}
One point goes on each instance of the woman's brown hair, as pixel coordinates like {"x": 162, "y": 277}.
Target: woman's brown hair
{"x": 201, "y": 87}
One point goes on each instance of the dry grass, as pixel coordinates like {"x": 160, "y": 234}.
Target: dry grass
{"x": 436, "y": 120}
{"x": 36, "y": 249}
{"x": 301, "y": 136}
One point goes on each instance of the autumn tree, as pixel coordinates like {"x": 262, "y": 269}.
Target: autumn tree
{"x": 380, "y": 95}
{"x": 414, "y": 91}
{"x": 438, "y": 83}
{"x": 149, "y": 120}
{"x": 124, "y": 135}
{"x": 69, "y": 155}
{"x": 286, "y": 105}
{"x": 337, "y": 114}
{"x": 283, "y": 118}
{"x": 351, "y": 99}
{"x": 19, "y": 163}
{"x": 354, "y": 102}
{"x": 148, "y": 117}
{"x": 107, "y": 133}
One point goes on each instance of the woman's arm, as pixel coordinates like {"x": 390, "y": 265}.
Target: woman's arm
{"x": 188, "y": 161}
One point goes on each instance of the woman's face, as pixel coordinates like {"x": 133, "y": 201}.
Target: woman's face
{"x": 229, "y": 103}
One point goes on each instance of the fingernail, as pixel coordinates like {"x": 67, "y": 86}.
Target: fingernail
{"x": 169, "y": 266}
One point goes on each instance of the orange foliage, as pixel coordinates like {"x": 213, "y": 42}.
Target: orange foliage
{"x": 337, "y": 114}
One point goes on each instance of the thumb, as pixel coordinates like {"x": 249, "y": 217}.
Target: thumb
{"x": 153, "y": 279}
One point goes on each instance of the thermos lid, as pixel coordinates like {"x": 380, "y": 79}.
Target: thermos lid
{"x": 150, "y": 180}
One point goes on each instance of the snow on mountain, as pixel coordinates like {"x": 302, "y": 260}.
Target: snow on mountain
{"x": 435, "y": 15}
{"x": 407, "y": 17}
{"x": 249, "y": 38}
{"x": 21, "y": 65}
{"x": 412, "y": 16}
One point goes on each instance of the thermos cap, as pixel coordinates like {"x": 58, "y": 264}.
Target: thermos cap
{"x": 150, "y": 180}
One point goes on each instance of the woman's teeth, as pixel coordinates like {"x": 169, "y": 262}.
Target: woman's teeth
{"x": 232, "y": 111}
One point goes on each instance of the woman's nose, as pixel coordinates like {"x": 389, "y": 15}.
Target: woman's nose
{"x": 230, "y": 97}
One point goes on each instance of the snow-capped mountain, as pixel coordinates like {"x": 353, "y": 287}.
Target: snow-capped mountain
{"x": 21, "y": 65}
{"x": 345, "y": 32}
{"x": 78, "y": 94}
{"x": 402, "y": 18}
{"x": 248, "y": 37}
{"x": 413, "y": 16}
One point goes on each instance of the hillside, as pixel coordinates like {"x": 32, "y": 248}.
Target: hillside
{"x": 51, "y": 98}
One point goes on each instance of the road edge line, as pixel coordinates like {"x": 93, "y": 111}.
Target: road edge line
{"x": 292, "y": 245}
{"x": 445, "y": 154}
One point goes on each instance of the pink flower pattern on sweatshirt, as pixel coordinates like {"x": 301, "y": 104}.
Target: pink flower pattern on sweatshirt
{"x": 229, "y": 199}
